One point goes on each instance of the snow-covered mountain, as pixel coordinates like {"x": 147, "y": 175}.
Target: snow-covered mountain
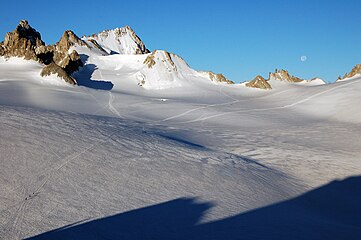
{"x": 145, "y": 147}
{"x": 118, "y": 41}
{"x": 150, "y": 70}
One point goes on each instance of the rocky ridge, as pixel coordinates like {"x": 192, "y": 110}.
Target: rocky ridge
{"x": 280, "y": 75}
{"x": 354, "y": 71}
{"x": 219, "y": 78}
{"x": 259, "y": 82}
{"x": 25, "y": 42}
{"x": 283, "y": 75}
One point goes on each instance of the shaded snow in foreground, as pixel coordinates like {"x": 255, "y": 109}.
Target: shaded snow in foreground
{"x": 79, "y": 167}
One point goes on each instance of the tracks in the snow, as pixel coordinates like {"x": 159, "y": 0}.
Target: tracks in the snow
{"x": 251, "y": 110}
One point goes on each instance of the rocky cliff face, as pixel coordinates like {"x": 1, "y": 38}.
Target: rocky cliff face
{"x": 283, "y": 75}
{"x": 259, "y": 82}
{"x": 25, "y": 42}
{"x": 355, "y": 70}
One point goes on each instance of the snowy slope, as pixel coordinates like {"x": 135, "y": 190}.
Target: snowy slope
{"x": 153, "y": 71}
{"x": 81, "y": 166}
{"x": 139, "y": 133}
{"x": 346, "y": 79}
{"x": 315, "y": 81}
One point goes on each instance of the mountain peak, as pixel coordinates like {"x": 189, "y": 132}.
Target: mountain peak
{"x": 283, "y": 75}
{"x": 24, "y": 24}
{"x": 22, "y": 42}
{"x": 259, "y": 82}
{"x": 119, "y": 41}
{"x": 69, "y": 39}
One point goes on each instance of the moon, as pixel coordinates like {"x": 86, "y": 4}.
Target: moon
{"x": 303, "y": 58}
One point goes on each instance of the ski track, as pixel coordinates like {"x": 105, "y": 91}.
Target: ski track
{"x": 49, "y": 176}
{"x": 19, "y": 214}
{"x": 272, "y": 108}
{"x": 216, "y": 105}
{"x": 16, "y": 219}
{"x": 111, "y": 107}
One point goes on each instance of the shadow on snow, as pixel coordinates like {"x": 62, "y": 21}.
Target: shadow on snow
{"x": 332, "y": 211}
{"x": 84, "y": 76}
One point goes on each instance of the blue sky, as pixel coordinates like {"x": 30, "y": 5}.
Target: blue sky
{"x": 240, "y": 39}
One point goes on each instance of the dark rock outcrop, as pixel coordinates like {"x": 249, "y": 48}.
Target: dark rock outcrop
{"x": 259, "y": 82}
{"x": 45, "y": 54}
{"x": 55, "y": 69}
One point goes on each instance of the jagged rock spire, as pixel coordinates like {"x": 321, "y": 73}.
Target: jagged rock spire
{"x": 22, "y": 42}
{"x": 26, "y": 42}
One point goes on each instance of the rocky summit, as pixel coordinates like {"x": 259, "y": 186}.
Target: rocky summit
{"x": 283, "y": 75}
{"x": 259, "y": 82}
{"x": 22, "y": 42}
{"x": 60, "y": 56}
{"x": 70, "y": 62}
